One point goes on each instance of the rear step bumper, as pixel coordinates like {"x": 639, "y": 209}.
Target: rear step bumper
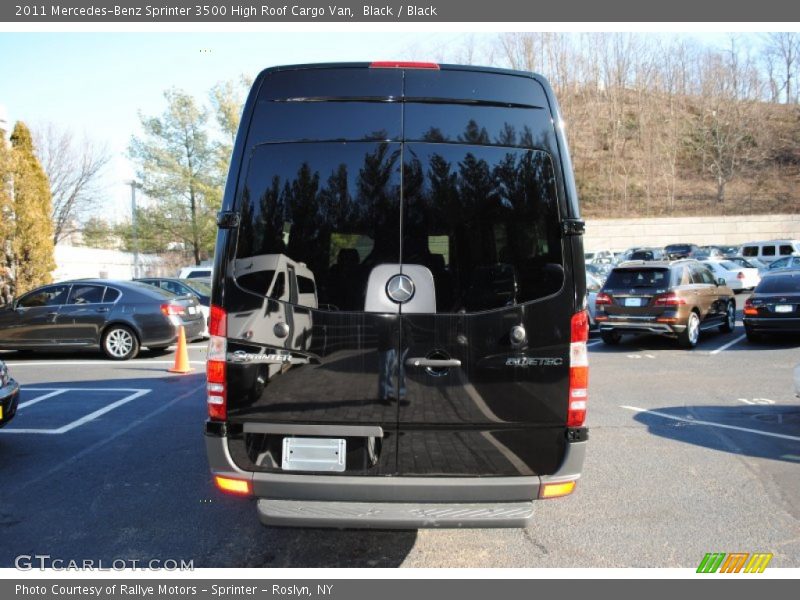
{"x": 392, "y": 515}
{"x": 393, "y": 502}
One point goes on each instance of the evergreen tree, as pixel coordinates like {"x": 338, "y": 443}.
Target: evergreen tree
{"x": 32, "y": 237}
{"x": 6, "y": 220}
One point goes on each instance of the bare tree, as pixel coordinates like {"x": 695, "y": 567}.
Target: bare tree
{"x": 74, "y": 168}
{"x": 781, "y": 55}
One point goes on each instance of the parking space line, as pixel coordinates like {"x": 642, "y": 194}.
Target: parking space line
{"x": 137, "y": 393}
{"x": 593, "y": 343}
{"x": 782, "y": 436}
{"x": 728, "y": 345}
{"x": 55, "y": 392}
{"x": 99, "y": 363}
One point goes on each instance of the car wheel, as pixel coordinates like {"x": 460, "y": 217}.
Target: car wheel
{"x": 612, "y": 338}
{"x": 689, "y": 336}
{"x": 120, "y": 343}
{"x": 730, "y": 319}
{"x": 752, "y": 336}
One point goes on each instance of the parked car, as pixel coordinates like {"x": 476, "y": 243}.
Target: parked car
{"x": 678, "y": 251}
{"x": 593, "y": 287}
{"x": 199, "y": 288}
{"x": 770, "y": 250}
{"x": 646, "y": 254}
{"x": 486, "y": 302}
{"x": 787, "y": 262}
{"x": 117, "y": 317}
{"x": 675, "y": 299}
{"x": 598, "y": 257}
{"x": 195, "y": 273}
{"x": 736, "y": 277}
{"x": 709, "y": 252}
{"x": 599, "y": 271}
{"x": 774, "y": 306}
{"x": 750, "y": 263}
{"x": 728, "y": 251}
{"x": 9, "y": 396}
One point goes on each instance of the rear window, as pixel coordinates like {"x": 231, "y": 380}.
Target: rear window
{"x": 783, "y": 284}
{"x": 678, "y": 249}
{"x": 638, "y": 278}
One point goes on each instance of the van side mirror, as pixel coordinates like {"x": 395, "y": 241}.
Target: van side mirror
{"x": 720, "y": 281}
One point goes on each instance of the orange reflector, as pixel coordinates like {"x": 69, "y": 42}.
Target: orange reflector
{"x": 234, "y": 486}
{"x": 555, "y": 490}
{"x": 667, "y": 320}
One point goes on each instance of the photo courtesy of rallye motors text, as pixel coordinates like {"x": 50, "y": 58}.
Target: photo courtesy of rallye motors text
{"x": 406, "y": 346}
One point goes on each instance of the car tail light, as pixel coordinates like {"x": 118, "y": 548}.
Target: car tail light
{"x": 555, "y": 490}
{"x": 216, "y": 386}
{"x": 401, "y": 64}
{"x": 749, "y": 308}
{"x": 172, "y": 310}
{"x": 578, "y": 369}
{"x": 603, "y": 299}
{"x": 671, "y": 299}
{"x": 233, "y": 486}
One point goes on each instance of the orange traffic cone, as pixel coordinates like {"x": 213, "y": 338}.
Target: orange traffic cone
{"x": 181, "y": 355}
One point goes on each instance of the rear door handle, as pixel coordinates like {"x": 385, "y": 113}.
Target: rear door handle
{"x": 432, "y": 362}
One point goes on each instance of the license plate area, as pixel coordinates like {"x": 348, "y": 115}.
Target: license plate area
{"x": 633, "y": 302}
{"x": 313, "y": 454}
{"x": 783, "y": 308}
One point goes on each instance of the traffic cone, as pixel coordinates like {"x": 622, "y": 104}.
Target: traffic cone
{"x": 181, "y": 355}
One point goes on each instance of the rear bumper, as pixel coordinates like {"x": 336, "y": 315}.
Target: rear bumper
{"x": 393, "y": 502}
{"x": 641, "y": 327}
{"x": 774, "y": 324}
{"x": 9, "y": 397}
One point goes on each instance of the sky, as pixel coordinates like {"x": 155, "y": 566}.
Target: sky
{"x": 97, "y": 84}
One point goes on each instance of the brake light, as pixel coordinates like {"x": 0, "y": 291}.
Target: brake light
{"x": 216, "y": 386}
{"x": 578, "y": 369}
{"x": 671, "y": 299}
{"x": 234, "y": 486}
{"x": 172, "y": 310}
{"x": 218, "y": 321}
{"x": 602, "y": 299}
{"x": 749, "y": 308}
{"x": 402, "y": 64}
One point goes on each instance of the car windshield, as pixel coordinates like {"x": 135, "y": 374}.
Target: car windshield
{"x": 730, "y": 265}
{"x": 785, "y": 284}
{"x": 638, "y": 278}
{"x": 198, "y": 286}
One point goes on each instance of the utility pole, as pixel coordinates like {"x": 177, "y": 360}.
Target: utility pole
{"x": 134, "y": 185}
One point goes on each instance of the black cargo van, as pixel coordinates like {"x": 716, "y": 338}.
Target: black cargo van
{"x": 398, "y": 324}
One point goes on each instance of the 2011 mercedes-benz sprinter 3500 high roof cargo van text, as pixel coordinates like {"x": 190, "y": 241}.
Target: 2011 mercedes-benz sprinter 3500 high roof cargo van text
{"x": 398, "y": 324}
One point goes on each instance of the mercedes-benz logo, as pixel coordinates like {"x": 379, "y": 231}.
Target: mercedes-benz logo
{"x": 400, "y": 288}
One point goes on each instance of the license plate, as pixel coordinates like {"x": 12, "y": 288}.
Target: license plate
{"x": 783, "y": 308}
{"x": 633, "y": 301}
{"x": 313, "y": 454}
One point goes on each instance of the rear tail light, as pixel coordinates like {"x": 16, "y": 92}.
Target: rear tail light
{"x": 671, "y": 299}
{"x": 749, "y": 308}
{"x": 216, "y": 386}
{"x": 400, "y": 64}
{"x": 555, "y": 490}
{"x": 233, "y": 486}
{"x": 602, "y": 299}
{"x": 578, "y": 369}
{"x": 172, "y": 310}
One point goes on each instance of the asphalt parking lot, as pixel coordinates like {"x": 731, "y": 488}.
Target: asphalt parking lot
{"x": 690, "y": 452}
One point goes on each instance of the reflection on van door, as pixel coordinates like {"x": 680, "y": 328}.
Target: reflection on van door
{"x": 484, "y": 221}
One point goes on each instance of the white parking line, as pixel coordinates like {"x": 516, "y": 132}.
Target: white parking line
{"x": 712, "y": 424}
{"x": 136, "y": 393}
{"x": 55, "y": 392}
{"x": 728, "y": 345}
{"x": 99, "y": 363}
{"x": 594, "y": 343}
